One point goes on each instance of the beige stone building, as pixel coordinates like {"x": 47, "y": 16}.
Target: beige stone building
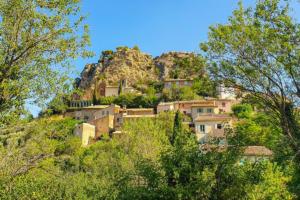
{"x": 250, "y": 153}
{"x": 90, "y": 113}
{"x": 165, "y": 107}
{"x": 86, "y": 132}
{"x": 256, "y": 153}
{"x": 138, "y": 111}
{"x": 103, "y": 125}
{"x": 168, "y": 83}
{"x": 207, "y": 108}
{"x": 211, "y": 126}
{"x": 224, "y": 105}
{"x": 111, "y": 91}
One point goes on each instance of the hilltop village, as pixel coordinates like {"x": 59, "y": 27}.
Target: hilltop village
{"x": 207, "y": 116}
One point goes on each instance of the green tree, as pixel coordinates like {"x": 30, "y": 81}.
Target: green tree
{"x": 38, "y": 38}
{"x": 176, "y": 93}
{"x": 242, "y": 110}
{"x": 189, "y": 67}
{"x": 257, "y": 51}
{"x": 177, "y": 128}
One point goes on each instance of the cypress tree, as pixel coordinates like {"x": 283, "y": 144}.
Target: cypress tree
{"x": 94, "y": 98}
{"x": 177, "y": 129}
{"x": 120, "y": 88}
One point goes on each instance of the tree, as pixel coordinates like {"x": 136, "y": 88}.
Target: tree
{"x": 177, "y": 129}
{"x": 242, "y": 110}
{"x": 189, "y": 67}
{"x": 120, "y": 89}
{"x": 38, "y": 38}
{"x": 257, "y": 51}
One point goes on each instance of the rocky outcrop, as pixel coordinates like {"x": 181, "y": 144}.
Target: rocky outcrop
{"x": 136, "y": 67}
{"x": 123, "y": 64}
{"x": 167, "y": 62}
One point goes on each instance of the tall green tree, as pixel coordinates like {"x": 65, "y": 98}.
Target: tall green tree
{"x": 177, "y": 128}
{"x": 38, "y": 39}
{"x": 258, "y": 52}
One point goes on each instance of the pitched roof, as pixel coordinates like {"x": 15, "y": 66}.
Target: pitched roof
{"x": 111, "y": 86}
{"x": 209, "y": 104}
{"x": 248, "y": 150}
{"x": 96, "y": 107}
{"x": 174, "y": 80}
{"x": 192, "y": 101}
{"x": 138, "y": 109}
{"x": 213, "y": 117}
{"x": 257, "y": 151}
{"x": 165, "y": 103}
{"x": 139, "y": 116}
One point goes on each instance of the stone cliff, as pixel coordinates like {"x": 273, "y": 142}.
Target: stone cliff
{"x": 126, "y": 63}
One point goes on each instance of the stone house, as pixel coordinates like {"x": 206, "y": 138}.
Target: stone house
{"x": 86, "y": 132}
{"x": 204, "y": 109}
{"x": 139, "y": 111}
{"x": 256, "y": 153}
{"x": 113, "y": 90}
{"x": 249, "y": 153}
{"x": 103, "y": 125}
{"x": 87, "y": 113}
{"x": 165, "y": 107}
{"x": 168, "y": 83}
{"x": 211, "y": 126}
{"x": 225, "y": 105}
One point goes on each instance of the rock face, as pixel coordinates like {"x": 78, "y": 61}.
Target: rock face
{"x": 125, "y": 64}
{"x": 167, "y": 62}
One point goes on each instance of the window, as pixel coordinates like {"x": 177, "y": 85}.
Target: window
{"x": 219, "y": 126}
{"x": 107, "y": 112}
{"x": 199, "y": 110}
{"x": 86, "y": 118}
{"x": 209, "y": 110}
{"x": 103, "y": 112}
{"x": 186, "y": 83}
{"x": 202, "y": 128}
{"x": 223, "y": 104}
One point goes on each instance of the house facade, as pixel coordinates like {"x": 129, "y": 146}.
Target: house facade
{"x": 212, "y": 126}
{"x": 86, "y": 132}
{"x": 207, "y": 108}
{"x": 169, "y": 83}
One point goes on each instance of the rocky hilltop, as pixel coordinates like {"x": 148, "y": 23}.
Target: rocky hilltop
{"x": 167, "y": 62}
{"x": 126, "y": 63}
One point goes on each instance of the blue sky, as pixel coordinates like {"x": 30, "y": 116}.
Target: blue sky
{"x": 156, "y": 26}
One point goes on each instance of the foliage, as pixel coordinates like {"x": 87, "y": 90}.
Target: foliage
{"x": 257, "y": 51}
{"x": 242, "y": 110}
{"x": 131, "y": 100}
{"x": 176, "y": 93}
{"x": 140, "y": 163}
{"x": 189, "y": 67}
{"x": 254, "y": 128}
{"x": 205, "y": 87}
{"x": 38, "y": 38}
